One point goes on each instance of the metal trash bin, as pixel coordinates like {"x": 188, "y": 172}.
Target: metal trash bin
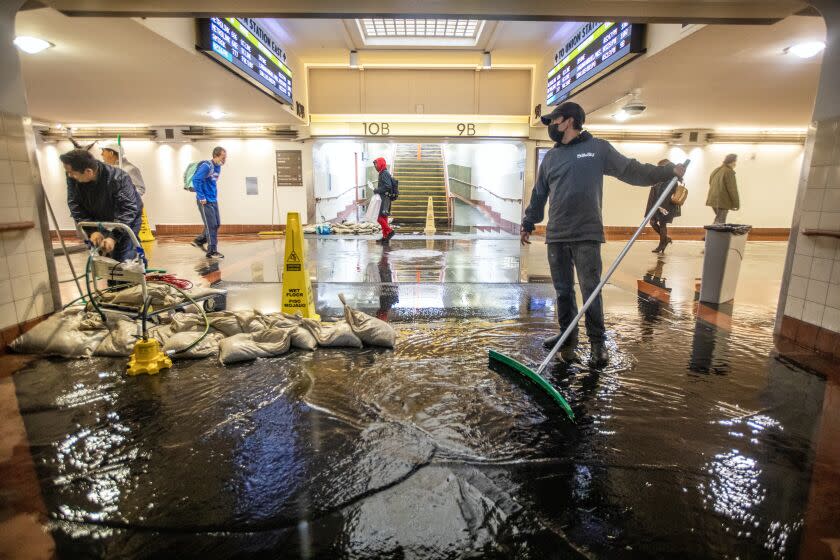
{"x": 725, "y": 245}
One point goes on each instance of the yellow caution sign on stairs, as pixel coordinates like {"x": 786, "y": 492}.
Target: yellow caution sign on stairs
{"x": 145, "y": 229}
{"x": 297, "y": 288}
{"x": 430, "y": 218}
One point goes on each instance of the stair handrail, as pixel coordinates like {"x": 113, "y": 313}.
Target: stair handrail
{"x": 482, "y": 188}
{"x": 339, "y": 195}
{"x": 449, "y": 209}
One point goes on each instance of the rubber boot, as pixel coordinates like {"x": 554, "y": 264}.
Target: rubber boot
{"x": 598, "y": 356}
{"x": 568, "y": 351}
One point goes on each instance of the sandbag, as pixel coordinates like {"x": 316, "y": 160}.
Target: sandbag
{"x": 208, "y": 346}
{"x": 161, "y": 295}
{"x": 230, "y": 323}
{"x": 60, "y": 335}
{"x": 370, "y": 330}
{"x": 120, "y": 340}
{"x": 250, "y": 346}
{"x": 301, "y": 337}
{"x": 182, "y": 322}
{"x": 329, "y": 335}
{"x": 161, "y": 333}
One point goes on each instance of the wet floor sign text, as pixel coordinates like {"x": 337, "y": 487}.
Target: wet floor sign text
{"x": 297, "y": 289}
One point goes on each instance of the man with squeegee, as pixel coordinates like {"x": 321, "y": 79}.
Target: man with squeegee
{"x": 571, "y": 178}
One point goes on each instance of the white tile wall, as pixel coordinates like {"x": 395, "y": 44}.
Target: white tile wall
{"x": 817, "y": 291}
{"x": 813, "y": 293}
{"x": 794, "y": 307}
{"x": 798, "y": 287}
{"x": 812, "y": 313}
{"x": 24, "y": 279}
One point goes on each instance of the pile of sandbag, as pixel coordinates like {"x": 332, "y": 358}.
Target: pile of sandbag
{"x": 233, "y": 336}
{"x": 344, "y": 228}
{"x": 160, "y": 295}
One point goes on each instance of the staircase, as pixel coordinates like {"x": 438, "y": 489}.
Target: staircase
{"x": 421, "y": 172}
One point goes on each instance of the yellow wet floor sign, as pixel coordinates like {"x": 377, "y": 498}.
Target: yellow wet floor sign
{"x": 145, "y": 229}
{"x": 297, "y": 289}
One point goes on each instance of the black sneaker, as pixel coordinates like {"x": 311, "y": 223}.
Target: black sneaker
{"x": 598, "y": 356}
{"x": 214, "y": 255}
{"x": 198, "y": 245}
{"x": 390, "y": 235}
{"x": 568, "y": 352}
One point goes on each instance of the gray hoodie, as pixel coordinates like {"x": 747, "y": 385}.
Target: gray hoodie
{"x": 571, "y": 178}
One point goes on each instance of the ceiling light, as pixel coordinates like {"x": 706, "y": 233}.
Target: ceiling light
{"x": 621, "y": 115}
{"x": 807, "y": 49}
{"x": 217, "y": 114}
{"x": 31, "y": 45}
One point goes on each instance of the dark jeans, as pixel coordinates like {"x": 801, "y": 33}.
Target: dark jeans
{"x": 585, "y": 257}
{"x": 210, "y": 216}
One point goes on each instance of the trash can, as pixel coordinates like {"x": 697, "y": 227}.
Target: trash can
{"x": 725, "y": 245}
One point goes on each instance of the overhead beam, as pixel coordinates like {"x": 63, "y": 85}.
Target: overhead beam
{"x": 643, "y": 11}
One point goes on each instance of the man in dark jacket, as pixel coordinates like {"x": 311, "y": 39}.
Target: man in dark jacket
{"x": 571, "y": 177}
{"x": 97, "y": 192}
{"x": 385, "y": 190}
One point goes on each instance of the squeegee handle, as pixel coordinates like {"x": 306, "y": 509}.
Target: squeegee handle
{"x": 597, "y": 291}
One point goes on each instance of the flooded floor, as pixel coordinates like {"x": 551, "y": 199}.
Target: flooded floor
{"x": 694, "y": 443}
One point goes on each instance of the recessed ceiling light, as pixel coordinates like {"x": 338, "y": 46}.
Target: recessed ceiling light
{"x": 217, "y": 114}
{"x": 807, "y": 49}
{"x": 31, "y": 45}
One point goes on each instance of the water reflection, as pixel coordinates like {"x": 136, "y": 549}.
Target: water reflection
{"x": 710, "y": 343}
{"x": 654, "y": 295}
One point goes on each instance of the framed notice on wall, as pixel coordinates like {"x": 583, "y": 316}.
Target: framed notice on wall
{"x": 289, "y": 168}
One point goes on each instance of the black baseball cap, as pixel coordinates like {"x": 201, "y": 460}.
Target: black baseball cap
{"x": 566, "y": 110}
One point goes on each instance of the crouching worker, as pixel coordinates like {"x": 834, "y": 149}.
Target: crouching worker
{"x": 98, "y": 192}
{"x": 385, "y": 190}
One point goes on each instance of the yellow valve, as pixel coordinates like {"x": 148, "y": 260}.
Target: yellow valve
{"x": 147, "y": 358}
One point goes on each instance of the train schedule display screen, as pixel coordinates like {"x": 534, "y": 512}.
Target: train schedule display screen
{"x": 596, "y": 50}
{"x": 242, "y": 46}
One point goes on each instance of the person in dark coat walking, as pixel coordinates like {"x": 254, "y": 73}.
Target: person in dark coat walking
{"x": 97, "y": 192}
{"x": 385, "y": 190}
{"x": 666, "y": 213}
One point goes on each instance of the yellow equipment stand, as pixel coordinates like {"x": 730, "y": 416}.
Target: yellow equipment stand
{"x": 147, "y": 358}
{"x": 297, "y": 289}
{"x": 145, "y": 230}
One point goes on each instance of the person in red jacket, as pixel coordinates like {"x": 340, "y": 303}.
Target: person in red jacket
{"x": 385, "y": 190}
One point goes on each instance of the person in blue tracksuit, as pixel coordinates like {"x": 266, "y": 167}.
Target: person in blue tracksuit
{"x": 204, "y": 182}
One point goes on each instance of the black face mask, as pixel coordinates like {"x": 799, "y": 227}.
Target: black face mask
{"x": 554, "y": 133}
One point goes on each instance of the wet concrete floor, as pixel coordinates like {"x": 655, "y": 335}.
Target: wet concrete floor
{"x": 694, "y": 443}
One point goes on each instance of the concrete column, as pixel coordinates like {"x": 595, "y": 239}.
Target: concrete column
{"x": 809, "y": 304}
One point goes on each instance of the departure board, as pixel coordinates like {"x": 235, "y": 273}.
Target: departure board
{"x": 591, "y": 55}
{"x": 241, "y": 45}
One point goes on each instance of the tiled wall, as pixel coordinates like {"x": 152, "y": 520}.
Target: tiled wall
{"x": 813, "y": 290}
{"x": 25, "y": 291}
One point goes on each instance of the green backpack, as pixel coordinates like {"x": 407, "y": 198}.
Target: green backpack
{"x": 189, "y": 173}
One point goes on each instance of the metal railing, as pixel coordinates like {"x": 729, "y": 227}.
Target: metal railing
{"x": 339, "y": 195}
{"x": 485, "y": 189}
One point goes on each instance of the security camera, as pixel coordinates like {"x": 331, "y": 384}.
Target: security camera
{"x": 634, "y": 107}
